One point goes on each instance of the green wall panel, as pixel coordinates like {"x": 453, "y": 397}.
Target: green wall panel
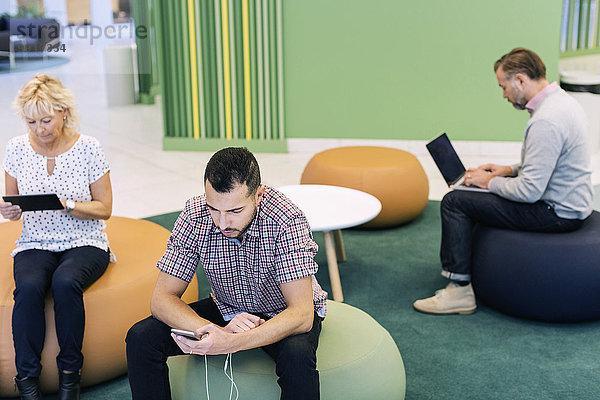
{"x": 209, "y": 77}
{"x": 216, "y": 144}
{"x": 399, "y": 69}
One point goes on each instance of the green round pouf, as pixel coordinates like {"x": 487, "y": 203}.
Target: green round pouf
{"x": 357, "y": 359}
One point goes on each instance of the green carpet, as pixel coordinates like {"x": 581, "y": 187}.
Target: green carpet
{"x": 486, "y": 355}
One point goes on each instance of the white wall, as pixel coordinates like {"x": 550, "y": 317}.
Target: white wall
{"x": 56, "y": 9}
{"x": 101, "y": 12}
{"x": 8, "y": 6}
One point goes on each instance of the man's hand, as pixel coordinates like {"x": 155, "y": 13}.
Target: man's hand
{"x": 214, "y": 340}
{"x": 478, "y": 177}
{"x": 243, "y": 322}
{"x": 497, "y": 170}
{"x": 482, "y": 175}
{"x": 184, "y": 343}
{"x": 296, "y": 318}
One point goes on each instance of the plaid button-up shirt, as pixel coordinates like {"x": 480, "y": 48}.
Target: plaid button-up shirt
{"x": 277, "y": 248}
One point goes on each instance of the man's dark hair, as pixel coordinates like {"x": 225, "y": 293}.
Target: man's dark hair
{"x": 232, "y": 166}
{"x": 521, "y": 60}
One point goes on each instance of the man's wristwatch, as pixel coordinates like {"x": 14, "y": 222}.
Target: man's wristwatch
{"x": 69, "y": 206}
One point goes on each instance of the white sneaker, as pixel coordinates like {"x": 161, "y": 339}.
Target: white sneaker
{"x": 451, "y": 300}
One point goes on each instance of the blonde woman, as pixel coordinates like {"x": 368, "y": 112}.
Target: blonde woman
{"x": 64, "y": 251}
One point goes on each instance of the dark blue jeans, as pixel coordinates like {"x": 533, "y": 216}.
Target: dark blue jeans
{"x": 461, "y": 210}
{"x": 67, "y": 274}
{"x": 149, "y": 344}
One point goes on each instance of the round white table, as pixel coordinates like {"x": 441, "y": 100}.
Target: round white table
{"x": 330, "y": 209}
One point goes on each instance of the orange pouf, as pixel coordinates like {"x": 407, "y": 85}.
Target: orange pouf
{"x": 116, "y": 301}
{"x": 394, "y": 176}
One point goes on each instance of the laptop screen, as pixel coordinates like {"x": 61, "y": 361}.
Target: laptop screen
{"x": 446, "y": 159}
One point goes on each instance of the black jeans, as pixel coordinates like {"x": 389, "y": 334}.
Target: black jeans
{"x": 67, "y": 274}
{"x": 461, "y": 209}
{"x": 149, "y": 344}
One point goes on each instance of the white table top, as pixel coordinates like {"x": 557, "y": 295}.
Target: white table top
{"x": 328, "y": 208}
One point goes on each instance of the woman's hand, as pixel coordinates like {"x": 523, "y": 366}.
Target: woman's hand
{"x": 10, "y": 211}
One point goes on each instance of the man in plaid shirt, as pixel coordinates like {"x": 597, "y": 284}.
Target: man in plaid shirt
{"x": 257, "y": 251}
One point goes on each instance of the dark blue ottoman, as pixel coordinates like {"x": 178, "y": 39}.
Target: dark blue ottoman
{"x": 543, "y": 276}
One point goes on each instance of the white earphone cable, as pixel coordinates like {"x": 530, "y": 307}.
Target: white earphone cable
{"x": 229, "y": 360}
{"x": 206, "y": 376}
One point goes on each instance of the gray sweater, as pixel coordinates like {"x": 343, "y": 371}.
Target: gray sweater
{"x": 555, "y": 161}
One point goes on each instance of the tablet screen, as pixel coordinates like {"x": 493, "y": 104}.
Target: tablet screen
{"x": 35, "y": 202}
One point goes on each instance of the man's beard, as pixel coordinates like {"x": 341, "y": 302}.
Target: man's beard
{"x": 244, "y": 229}
{"x": 518, "y": 106}
{"x": 520, "y": 100}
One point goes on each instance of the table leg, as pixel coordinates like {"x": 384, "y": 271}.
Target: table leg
{"x": 334, "y": 273}
{"x": 340, "y": 251}
{"x": 11, "y": 50}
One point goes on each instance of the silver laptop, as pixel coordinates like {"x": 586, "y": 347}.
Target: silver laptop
{"x": 449, "y": 163}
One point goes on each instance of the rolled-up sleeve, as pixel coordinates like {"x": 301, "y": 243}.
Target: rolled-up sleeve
{"x": 295, "y": 250}
{"x": 181, "y": 257}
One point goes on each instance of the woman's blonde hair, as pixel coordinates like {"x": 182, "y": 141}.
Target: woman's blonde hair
{"x": 44, "y": 95}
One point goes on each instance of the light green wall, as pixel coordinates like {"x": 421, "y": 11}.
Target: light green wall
{"x": 400, "y": 69}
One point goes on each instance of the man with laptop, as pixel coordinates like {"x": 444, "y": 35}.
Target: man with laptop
{"x": 549, "y": 191}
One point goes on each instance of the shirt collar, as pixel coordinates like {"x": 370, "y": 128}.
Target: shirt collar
{"x": 537, "y": 99}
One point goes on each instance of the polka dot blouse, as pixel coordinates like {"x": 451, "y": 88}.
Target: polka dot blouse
{"x": 83, "y": 164}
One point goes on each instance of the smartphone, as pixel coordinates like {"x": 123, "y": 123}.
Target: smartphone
{"x": 187, "y": 334}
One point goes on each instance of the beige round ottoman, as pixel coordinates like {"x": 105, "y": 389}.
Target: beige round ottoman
{"x": 357, "y": 359}
{"x": 113, "y": 303}
{"x": 394, "y": 176}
